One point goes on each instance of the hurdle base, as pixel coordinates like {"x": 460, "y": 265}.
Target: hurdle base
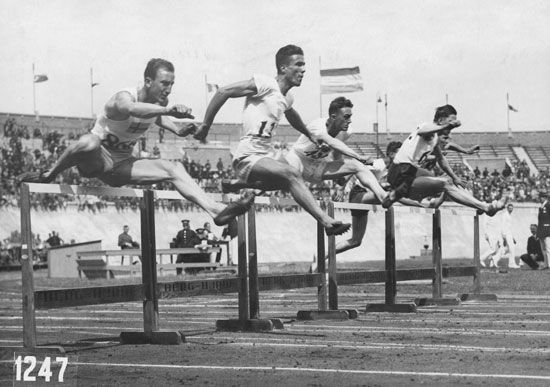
{"x": 250, "y": 325}
{"x": 436, "y": 301}
{"x": 392, "y": 308}
{"x": 277, "y": 323}
{"x": 341, "y": 314}
{"x": 478, "y": 297}
{"x": 156, "y": 337}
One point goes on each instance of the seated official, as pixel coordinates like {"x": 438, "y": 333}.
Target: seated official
{"x": 534, "y": 251}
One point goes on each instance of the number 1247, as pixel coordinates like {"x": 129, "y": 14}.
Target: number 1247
{"x": 44, "y": 371}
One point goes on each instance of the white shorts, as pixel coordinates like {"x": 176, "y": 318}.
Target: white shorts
{"x": 249, "y": 151}
{"x": 310, "y": 169}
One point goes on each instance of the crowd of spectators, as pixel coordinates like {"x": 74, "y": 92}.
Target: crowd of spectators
{"x": 513, "y": 180}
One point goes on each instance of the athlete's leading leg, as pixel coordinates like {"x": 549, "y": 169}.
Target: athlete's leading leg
{"x": 341, "y": 168}
{"x": 148, "y": 171}
{"x": 285, "y": 177}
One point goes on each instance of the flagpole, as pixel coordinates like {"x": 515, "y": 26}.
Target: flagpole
{"x": 205, "y": 92}
{"x": 508, "y": 114}
{"x": 320, "y": 90}
{"x": 92, "y": 91}
{"x": 386, "y": 109}
{"x": 446, "y": 99}
{"x": 34, "y": 93}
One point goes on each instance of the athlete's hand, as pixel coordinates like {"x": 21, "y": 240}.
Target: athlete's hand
{"x": 188, "y": 129}
{"x": 367, "y": 160}
{"x": 453, "y": 124}
{"x": 201, "y": 133}
{"x": 180, "y": 111}
{"x": 459, "y": 183}
{"x": 474, "y": 149}
{"x": 339, "y": 195}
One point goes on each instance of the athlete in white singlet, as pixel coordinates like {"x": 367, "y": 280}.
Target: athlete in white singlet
{"x": 409, "y": 179}
{"x": 326, "y": 162}
{"x": 106, "y": 152}
{"x": 267, "y": 99}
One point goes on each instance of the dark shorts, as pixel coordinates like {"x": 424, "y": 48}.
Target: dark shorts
{"x": 401, "y": 177}
{"x": 355, "y": 196}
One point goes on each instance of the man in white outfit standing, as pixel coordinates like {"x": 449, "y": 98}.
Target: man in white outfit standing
{"x": 507, "y": 232}
{"x": 493, "y": 237}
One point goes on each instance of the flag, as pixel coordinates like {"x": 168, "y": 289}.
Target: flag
{"x": 510, "y": 107}
{"x": 385, "y": 100}
{"x": 212, "y": 87}
{"x": 94, "y": 84}
{"x": 379, "y": 100}
{"x": 40, "y": 78}
{"x": 343, "y": 80}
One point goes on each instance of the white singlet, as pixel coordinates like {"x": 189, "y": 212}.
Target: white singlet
{"x": 261, "y": 115}
{"x": 415, "y": 149}
{"x": 121, "y": 136}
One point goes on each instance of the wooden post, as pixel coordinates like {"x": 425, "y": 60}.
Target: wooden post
{"x": 253, "y": 266}
{"x": 321, "y": 268}
{"x": 332, "y": 270}
{"x": 242, "y": 271}
{"x": 477, "y": 264}
{"x": 391, "y": 284}
{"x": 29, "y": 319}
{"x": 149, "y": 263}
{"x": 436, "y": 254}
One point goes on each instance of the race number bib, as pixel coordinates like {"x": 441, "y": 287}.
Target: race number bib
{"x": 111, "y": 141}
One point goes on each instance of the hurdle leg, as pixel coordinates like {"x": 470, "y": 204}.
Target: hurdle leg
{"x": 244, "y": 322}
{"x": 437, "y": 295}
{"x": 477, "y": 295}
{"x": 322, "y": 313}
{"x": 253, "y": 266}
{"x": 27, "y": 278}
{"x": 151, "y": 333}
{"x": 391, "y": 275}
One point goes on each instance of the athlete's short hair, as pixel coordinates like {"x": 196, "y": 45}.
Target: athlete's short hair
{"x": 443, "y": 112}
{"x": 393, "y": 147}
{"x": 281, "y": 58}
{"x": 338, "y": 104}
{"x": 155, "y": 65}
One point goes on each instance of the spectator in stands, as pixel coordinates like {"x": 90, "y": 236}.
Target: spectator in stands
{"x": 485, "y": 172}
{"x": 534, "y": 250}
{"x": 477, "y": 172}
{"x": 161, "y": 135}
{"x": 125, "y": 241}
{"x": 54, "y": 240}
{"x": 219, "y": 166}
{"x": 185, "y": 238}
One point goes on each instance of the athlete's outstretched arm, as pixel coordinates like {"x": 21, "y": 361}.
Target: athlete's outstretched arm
{"x": 444, "y": 164}
{"x": 433, "y": 128}
{"x": 169, "y": 125}
{"x": 296, "y": 122}
{"x": 339, "y": 146}
{"x": 122, "y": 105}
{"x": 235, "y": 90}
{"x": 457, "y": 148}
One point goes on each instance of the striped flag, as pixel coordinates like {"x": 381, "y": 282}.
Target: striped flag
{"x": 510, "y": 107}
{"x": 40, "y": 78}
{"x": 343, "y": 80}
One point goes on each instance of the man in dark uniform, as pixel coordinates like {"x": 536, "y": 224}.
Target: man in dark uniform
{"x": 543, "y": 230}
{"x": 185, "y": 238}
{"x": 534, "y": 251}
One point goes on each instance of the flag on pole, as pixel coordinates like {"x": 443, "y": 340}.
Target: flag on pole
{"x": 379, "y": 100}
{"x": 510, "y": 107}
{"x": 386, "y": 101}
{"x": 40, "y": 78}
{"x": 212, "y": 87}
{"x": 343, "y": 80}
{"x": 94, "y": 84}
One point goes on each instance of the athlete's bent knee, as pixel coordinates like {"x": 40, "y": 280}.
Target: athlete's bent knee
{"x": 88, "y": 143}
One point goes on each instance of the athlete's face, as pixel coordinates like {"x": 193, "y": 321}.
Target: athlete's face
{"x": 159, "y": 88}
{"x": 342, "y": 119}
{"x": 443, "y": 137}
{"x": 294, "y": 70}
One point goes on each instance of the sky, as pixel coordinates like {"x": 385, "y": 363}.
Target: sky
{"x": 416, "y": 52}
